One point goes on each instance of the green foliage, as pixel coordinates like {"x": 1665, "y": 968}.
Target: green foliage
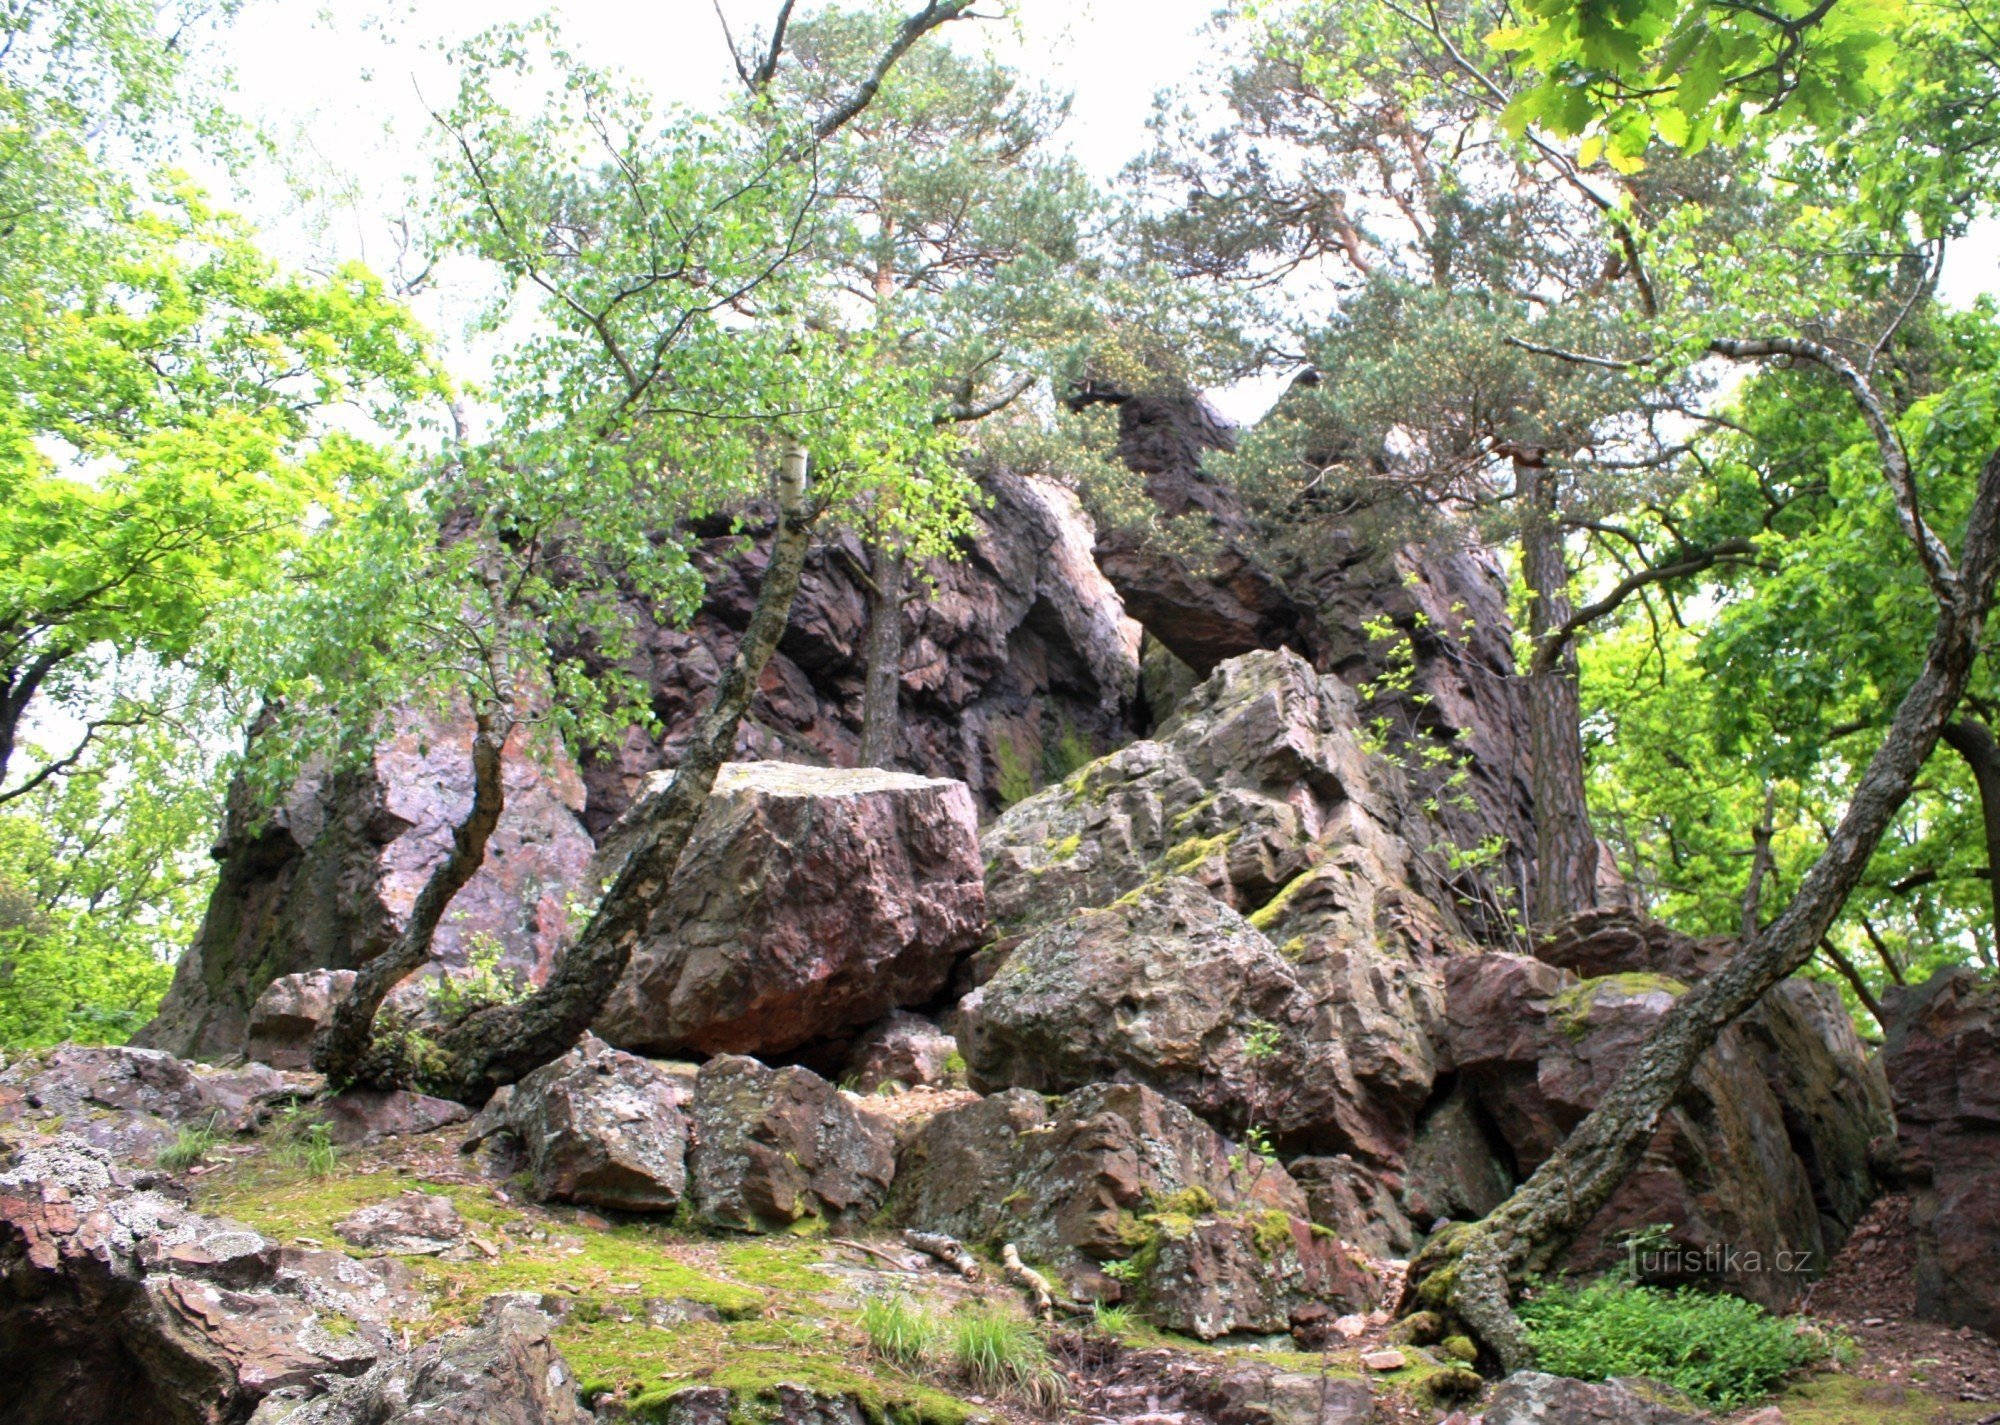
{"x": 1721, "y": 1350}
{"x": 1117, "y": 1322}
{"x": 483, "y": 982}
{"x": 899, "y": 1330}
{"x": 999, "y": 1352}
{"x": 191, "y": 1145}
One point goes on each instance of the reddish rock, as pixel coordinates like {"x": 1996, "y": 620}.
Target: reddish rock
{"x": 326, "y": 881}
{"x": 359, "y": 1117}
{"x": 811, "y": 902}
{"x": 1531, "y": 1398}
{"x": 123, "y": 1305}
{"x": 411, "y": 1224}
{"x": 1224, "y": 1274}
{"x": 904, "y": 1049}
{"x": 1943, "y": 1057}
{"x": 601, "y": 1128}
{"x": 777, "y": 1148}
{"x": 290, "y": 1012}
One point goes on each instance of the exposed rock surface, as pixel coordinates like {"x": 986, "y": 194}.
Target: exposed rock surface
{"x": 1737, "y": 1173}
{"x": 411, "y": 1224}
{"x": 1325, "y": 937}
{"x": 134, "y": 1102}
{"x": 1356, "y": 1203}
{"x": 1447, "y": 600}
{"x": 1531, "y": 1398}
{"x": 904, "y": 1049}
{"x": 775, "y": 1148}
{"x": 1116, "y": 1172}
{"x": 124, "y": 1305}
{"x": 810, "y": 903}
{"x": 288, "y": 1014}
{"x": 362, "y": 1116}
{"x": 504, "y": 1371}
{"x": 1943, "y": 1059}
{"x": 600, "y": 1127}
{"x": 326, "y": 881}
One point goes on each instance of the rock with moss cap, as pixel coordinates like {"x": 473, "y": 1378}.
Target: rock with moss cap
{"x": 810, "y": 903}
{"x": 1080, "y": 1181}
{"x": 1730, "y": 1171}
{"x": 782, "y": 1150}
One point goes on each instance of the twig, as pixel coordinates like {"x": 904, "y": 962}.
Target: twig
{"x": 901, "y": 1264}
{"x": 1029, "y": 1280}
{"x": 948, "y": 1250}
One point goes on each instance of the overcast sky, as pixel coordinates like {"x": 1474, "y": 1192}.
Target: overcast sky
{"x": 343, "y": 91}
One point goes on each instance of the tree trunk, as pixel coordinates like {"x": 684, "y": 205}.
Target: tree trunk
{"x": 1473, "y": 1270}
{"x": 1974, "y": 741}
{"x": 342, "y": 1043}
{"x": 1565, "y": 846}
{"x": 881, "y": 696}
{"x": 498, "y": 1044}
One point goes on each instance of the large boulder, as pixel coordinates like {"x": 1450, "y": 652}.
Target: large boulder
{"x": 1532, "y": 1398}
{"x": 1732, "y": 1172}
{"x": 1123, "y": 1191}
{"x": 603, "y": 1128}
{"x": 326, "y": 880}
{"x": 505, "y": 1370}
{"x": 1943, "y": 1056}
{"x": 810, "y": 903}
{"x": 776, "y": 1150}
{"x": 124, "y": 1305}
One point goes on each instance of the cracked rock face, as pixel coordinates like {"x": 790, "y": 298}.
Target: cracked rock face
{"x": 124, "y": 1305}
{"x": 775, "y": 1149}
{"x": 601, "y": 1128}
{"x": 809, "y": 904}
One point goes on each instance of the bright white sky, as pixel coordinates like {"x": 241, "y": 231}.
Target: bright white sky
{"x": 340, "y": 92}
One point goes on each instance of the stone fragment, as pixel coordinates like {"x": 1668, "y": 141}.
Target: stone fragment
{"x": 777, "y": 1149}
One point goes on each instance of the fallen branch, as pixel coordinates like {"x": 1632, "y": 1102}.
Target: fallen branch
{"x": 1029, "y": 1280}
{"x": 901, "y": 1264}
{"x": 948, "y": 1250}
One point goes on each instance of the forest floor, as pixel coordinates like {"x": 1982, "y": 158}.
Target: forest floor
{"x": 753, "y": 1311}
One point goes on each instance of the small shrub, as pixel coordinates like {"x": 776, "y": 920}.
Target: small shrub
{"x": 1000, "y": 1353}
{"x": 306, "y": 1145}
{"x": 899, "y": 1331}
{"x": 190, "y": 1146}
{"x": 484, "y": 984}
{"x": 1721, "y": 1350}
{"x": 1114, "y": 1321}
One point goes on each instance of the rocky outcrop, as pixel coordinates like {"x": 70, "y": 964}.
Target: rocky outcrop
{"x": 809, "y": 903}
{"x": 290, "y": 1012}
{"x": 1315, "y": 954}
{"x": 904, "y": 1049}
{"x": 600, "y": 1127}
{"x": 124, "y": 1305}
{"x": 1017, "y": 663}
{"x": 1245, "y": 593}
{"x": 1735, "y": 1171}
{"x": 775, "y": 1149}
{"x": 1212, "y": 1239}
{"x": 506, "y": 1370}
{"x": 133, "y": 1102}
{"x": 1532, "y": 1398}
{"x": 324, "y": 881}
{"x": 1943, "y": 1056}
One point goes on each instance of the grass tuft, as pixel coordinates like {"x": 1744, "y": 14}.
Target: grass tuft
{"x": 899, "y": 1331}
{"x": 1000, "y": 1353}
{"x": 191, "y": 1145}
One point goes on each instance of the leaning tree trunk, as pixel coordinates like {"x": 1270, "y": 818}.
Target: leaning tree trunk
{"x": 882, "y": 690}
{"x": 1473, "y": 1270}
{"x": 499, "y": 1044}
{"x": 341, "y": 1045}
{"x": 1974, "y": 741}
{"x": 1565, "y": 845}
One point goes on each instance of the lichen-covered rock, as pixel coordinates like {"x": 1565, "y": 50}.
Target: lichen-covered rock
{"x": 904, "y": 1049}
{"x": 357, "y": 1117}
{"x": 1221, "y": 1274}
{"x": 289, "y": 1012}
{"x": 1327, "y": 1041}
{"x": 124, "y": 1305}
{"x": 784, "y": 1403}
{"x": 1260, "y": 769}
{"x": 1537, "y": 1049}
{"x": 602, "y": 1127}
{"x": 1357, "y": 1204}
{"x": 1532, "y": 1398}
{"x": 504, "y": 1371}
{"x": 811, "y": 902}
{"x": 1094, "y": 1177}
{"x": 325, "y": 880}
{"x": 776, "y": 1149}
{"x": 411, "y": 1224}
{"x": 1943, "y": 1058}
{"x": 75, "y": 1080}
